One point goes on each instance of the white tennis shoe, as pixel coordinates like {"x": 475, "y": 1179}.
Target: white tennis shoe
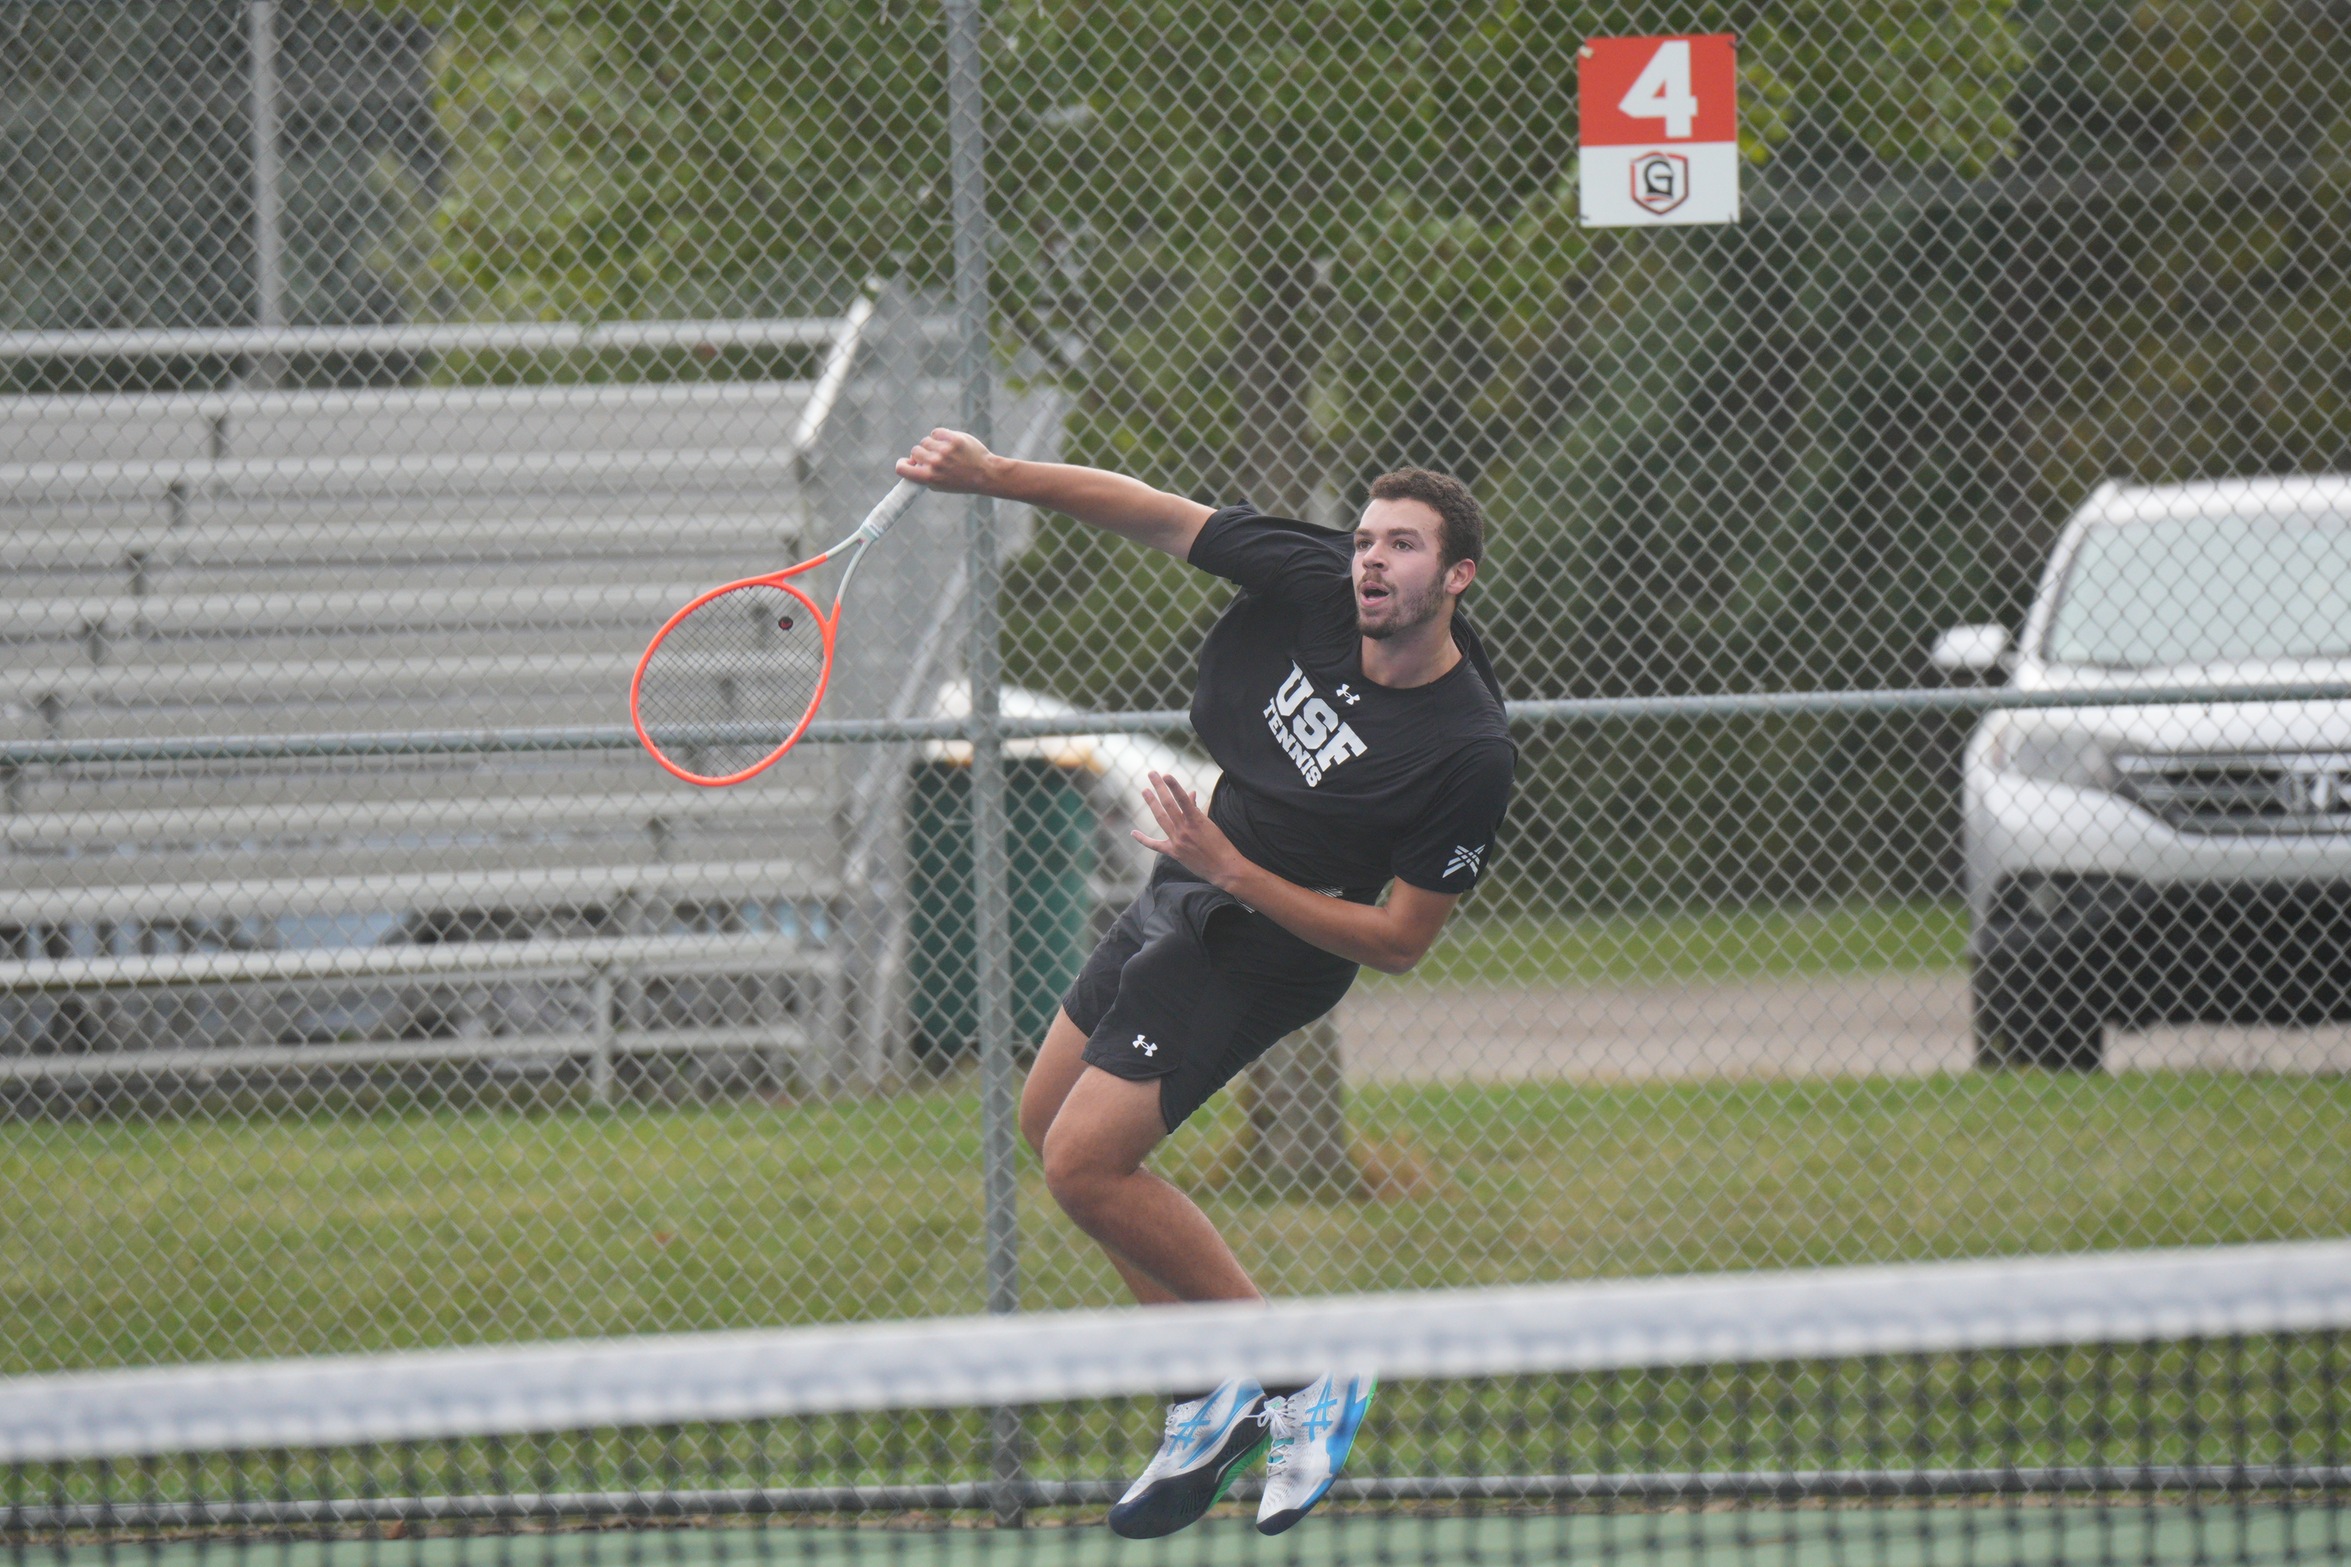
{"x": 1311, "y": 1431}
{"x": 1207, "y": 1442}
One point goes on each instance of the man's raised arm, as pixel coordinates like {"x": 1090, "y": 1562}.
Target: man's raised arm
{"x": 957, "y": 463}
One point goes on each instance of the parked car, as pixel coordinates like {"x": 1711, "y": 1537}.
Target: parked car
{"x": 2182, "y": 862}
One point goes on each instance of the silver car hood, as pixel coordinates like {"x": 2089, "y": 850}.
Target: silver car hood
{"x": 2232, "y": 727}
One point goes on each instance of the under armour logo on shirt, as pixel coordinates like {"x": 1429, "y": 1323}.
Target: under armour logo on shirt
{"x": 1348, "y": 697}
{"x": 1146, "y": 1046}
{"x": 1465, "y": 859}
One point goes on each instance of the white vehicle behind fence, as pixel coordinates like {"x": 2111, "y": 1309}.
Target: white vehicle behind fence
{"x": 2188, "y": 862}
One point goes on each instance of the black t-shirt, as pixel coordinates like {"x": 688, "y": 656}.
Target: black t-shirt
{"x": 1329, "y": 780}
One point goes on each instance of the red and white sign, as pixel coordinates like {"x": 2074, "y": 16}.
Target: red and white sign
{"x": 1660, "y": 130}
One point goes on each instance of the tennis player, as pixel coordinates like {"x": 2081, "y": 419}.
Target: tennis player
{"x": 1361, "y": 733}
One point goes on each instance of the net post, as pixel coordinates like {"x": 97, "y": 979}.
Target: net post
{"x": 967, "y": 154}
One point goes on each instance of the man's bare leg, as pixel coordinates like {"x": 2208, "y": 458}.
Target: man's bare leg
{"x": 1094, "y": 1153}
{"x": 1052, "y": 1074}
{"x": 1060, "y": 1060}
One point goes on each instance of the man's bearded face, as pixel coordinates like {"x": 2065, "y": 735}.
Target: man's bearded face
{"x": 1399, "y": 568}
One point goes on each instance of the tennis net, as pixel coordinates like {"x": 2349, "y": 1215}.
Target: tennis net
{"x": 2130, "y": 1407}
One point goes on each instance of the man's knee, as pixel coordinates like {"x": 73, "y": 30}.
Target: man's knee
{"x": 1075, "y": 1170}
{"x": 1095, "y": 1142}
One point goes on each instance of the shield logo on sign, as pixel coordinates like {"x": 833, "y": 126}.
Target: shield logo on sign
{"x": 1661, "y": 180}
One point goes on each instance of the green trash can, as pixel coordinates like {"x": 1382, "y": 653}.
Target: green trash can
{"x": 1049, "y": 853}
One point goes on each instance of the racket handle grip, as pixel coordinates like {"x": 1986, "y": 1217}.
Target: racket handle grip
{"x": 893, "y": 506}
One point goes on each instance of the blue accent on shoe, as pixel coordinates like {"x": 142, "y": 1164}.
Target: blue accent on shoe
{"x": 1196, "y": 1462}
{"x": 1326, "y": 1429}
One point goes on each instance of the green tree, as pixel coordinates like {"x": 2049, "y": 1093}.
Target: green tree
{"x": 126, "y": 177}
{"x": 2194, "y": 318}
{"x": 1293, "y": 243}
{"x": 615, "y": 159}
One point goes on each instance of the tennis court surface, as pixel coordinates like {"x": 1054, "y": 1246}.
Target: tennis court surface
{"x": 1899, "y": 1538}
{"x": 2182, "y": 1406}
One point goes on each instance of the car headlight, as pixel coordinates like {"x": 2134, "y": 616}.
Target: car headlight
{"x": 2053, "y": 753}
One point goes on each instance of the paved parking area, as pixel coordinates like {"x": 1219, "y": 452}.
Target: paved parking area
{"x": 1907, "y": 1025}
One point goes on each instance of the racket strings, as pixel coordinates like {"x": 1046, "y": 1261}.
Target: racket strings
{"x": 730, "y": 680}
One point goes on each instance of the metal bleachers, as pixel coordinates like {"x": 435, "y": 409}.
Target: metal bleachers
{"x": 303, "y": 563}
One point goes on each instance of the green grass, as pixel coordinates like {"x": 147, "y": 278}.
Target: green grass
{"x": 1714, "y": 944}
{"x": 134, "y": 1243}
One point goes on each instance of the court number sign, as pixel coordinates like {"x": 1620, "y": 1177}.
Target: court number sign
{"x": 1660, "y": 130}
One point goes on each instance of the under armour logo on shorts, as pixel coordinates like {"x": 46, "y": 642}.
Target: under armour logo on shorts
{"x": 1146, "y": 1046}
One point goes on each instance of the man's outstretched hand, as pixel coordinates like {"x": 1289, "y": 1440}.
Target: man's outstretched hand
{"x": 1189, "y": 837}
{"x": 957, "y": 463}
{"x": 949, "y": 460}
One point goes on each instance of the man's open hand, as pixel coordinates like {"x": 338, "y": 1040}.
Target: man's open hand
{"x": 1188, "y": 837}
{"x": 952, "y": 461}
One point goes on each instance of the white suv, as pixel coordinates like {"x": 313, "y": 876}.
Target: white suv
{"x": 2184, "y": 862}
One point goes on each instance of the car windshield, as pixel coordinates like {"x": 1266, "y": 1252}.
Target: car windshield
{"x": 2205, "y": 590}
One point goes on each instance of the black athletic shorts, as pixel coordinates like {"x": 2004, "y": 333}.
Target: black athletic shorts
{"x": 1191, "y": 985}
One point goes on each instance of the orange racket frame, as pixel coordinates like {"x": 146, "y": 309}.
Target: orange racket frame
{"x": 877, "y": 522}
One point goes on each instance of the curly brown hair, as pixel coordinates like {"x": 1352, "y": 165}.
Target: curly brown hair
{"x": 1462, "y": 535}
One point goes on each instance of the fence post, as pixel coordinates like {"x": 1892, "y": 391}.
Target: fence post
{"x": 269, "y": 281}
{"x": 991, "y": 924}
{"x": 601, "y": 1026}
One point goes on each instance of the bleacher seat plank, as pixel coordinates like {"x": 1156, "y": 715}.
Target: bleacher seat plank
{"x": 134, "y": 902}
{"x": 711, "y": 954}
{"x": 441, "y": 540}
{"x": 408, "y": 476}
{"x": 399, "y": 421}
{"x": 250, "y": 822}
{"x": 538, "y": 603}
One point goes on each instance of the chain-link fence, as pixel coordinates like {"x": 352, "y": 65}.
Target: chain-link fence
{"x": 379, "y": 375}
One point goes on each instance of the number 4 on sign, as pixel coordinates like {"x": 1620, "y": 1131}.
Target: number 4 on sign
{"x": 1659, "y": 135}
{"x": 1662, "y": 91}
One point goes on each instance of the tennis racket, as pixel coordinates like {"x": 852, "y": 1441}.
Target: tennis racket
{"x": 732, "y": 681}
